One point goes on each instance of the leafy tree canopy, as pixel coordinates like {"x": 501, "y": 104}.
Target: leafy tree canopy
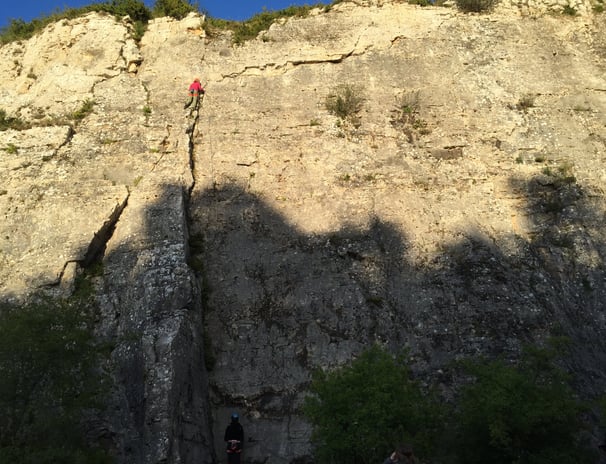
{"x": 178, "y": 9}
{"x": 507, "y": 413}
{"x": 523, "y": 414}
{"x": 50, "y": 379}
{"x": 362, "y": 411}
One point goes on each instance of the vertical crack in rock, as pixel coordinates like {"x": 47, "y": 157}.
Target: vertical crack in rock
{"x": 68, "y": 138}
{"x": 97, "y": 246}
{"x": 203, "y": 381}
{"x": 191, "y": 129}
{"x": 164, "y": 144}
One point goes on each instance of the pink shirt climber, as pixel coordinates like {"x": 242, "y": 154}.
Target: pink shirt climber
{"x": 195, "y": 88}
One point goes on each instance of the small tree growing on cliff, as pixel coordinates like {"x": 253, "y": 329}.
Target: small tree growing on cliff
{"x": 361, "y": 411}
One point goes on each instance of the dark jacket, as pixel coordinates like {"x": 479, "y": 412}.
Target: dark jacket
{"x": 234, "y": 431}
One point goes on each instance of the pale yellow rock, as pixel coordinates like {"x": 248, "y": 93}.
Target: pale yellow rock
{"x": 139, "y": 175}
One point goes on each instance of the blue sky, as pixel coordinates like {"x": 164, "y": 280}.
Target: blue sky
{"x": 226, "y": 9}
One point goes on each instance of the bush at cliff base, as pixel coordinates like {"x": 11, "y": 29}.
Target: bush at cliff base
{"x": 504, "y": 413}
{"x": 525, "y": 413}
{"x": 361, "y": 411}
{"x": 49, "y": 380}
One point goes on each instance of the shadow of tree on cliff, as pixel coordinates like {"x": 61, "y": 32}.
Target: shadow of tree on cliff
{"x": 281, "y": 303}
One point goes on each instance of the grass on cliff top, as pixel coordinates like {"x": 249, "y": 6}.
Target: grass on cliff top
{"x": 249, "y": 29}
{"x": 18, "y": 29}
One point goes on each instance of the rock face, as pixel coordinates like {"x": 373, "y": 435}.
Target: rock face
{"x": 110, "y": 191}
{"x": 460, "y": 212}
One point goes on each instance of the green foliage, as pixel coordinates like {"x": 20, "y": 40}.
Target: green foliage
{"x": 601, "y": 404}
{"x": 420, "y": 2}
{"x": 83, "y": 111}
{"x": 405, "y": 116}
{"x": 213, "y": 25}
{"x": 177, "y": 9}
{"x": 7, "y": 122}
{"x": 48, "y": 360}
{"x": 476, "y": 6}
{"x": 344, "y": 101}
{"x": 562, "y": 174}
{"x": 18, "y": 29}
{"x": 407, "y": 105}
{"x": 139, "y": 30}
{"x": 524, "y": 414}
{"x": 250, "y": 29}
{"x": 135, "y": 9}
{"x": 525, "y": 102}
{"x": 11, "y": 149}
{"x": 361, "y": 411}
{"x": 328, "y": 7}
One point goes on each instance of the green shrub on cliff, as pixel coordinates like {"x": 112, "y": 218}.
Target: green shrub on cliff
{"x": 50, "y": 380}
{"x": 8, "y": 122}
{"x": 250, "y": 28}
{"x": 83, "y": 111}
{"x": 345, "y": 101}
{"x": 177, "y": 9}
{"x": 476, "y": 6}
{"x": 135, "y": 9}
{"x": 17, "y": 29}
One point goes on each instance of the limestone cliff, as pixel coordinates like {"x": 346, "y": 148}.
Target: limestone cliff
{"x": 267, "y": 237}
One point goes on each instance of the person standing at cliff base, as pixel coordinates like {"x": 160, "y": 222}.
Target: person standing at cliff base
{"x": 195, "y": 90}
{"x": 234, "y": 437}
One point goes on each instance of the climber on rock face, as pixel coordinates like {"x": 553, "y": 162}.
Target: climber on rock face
{"x": 195, "y": 90}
